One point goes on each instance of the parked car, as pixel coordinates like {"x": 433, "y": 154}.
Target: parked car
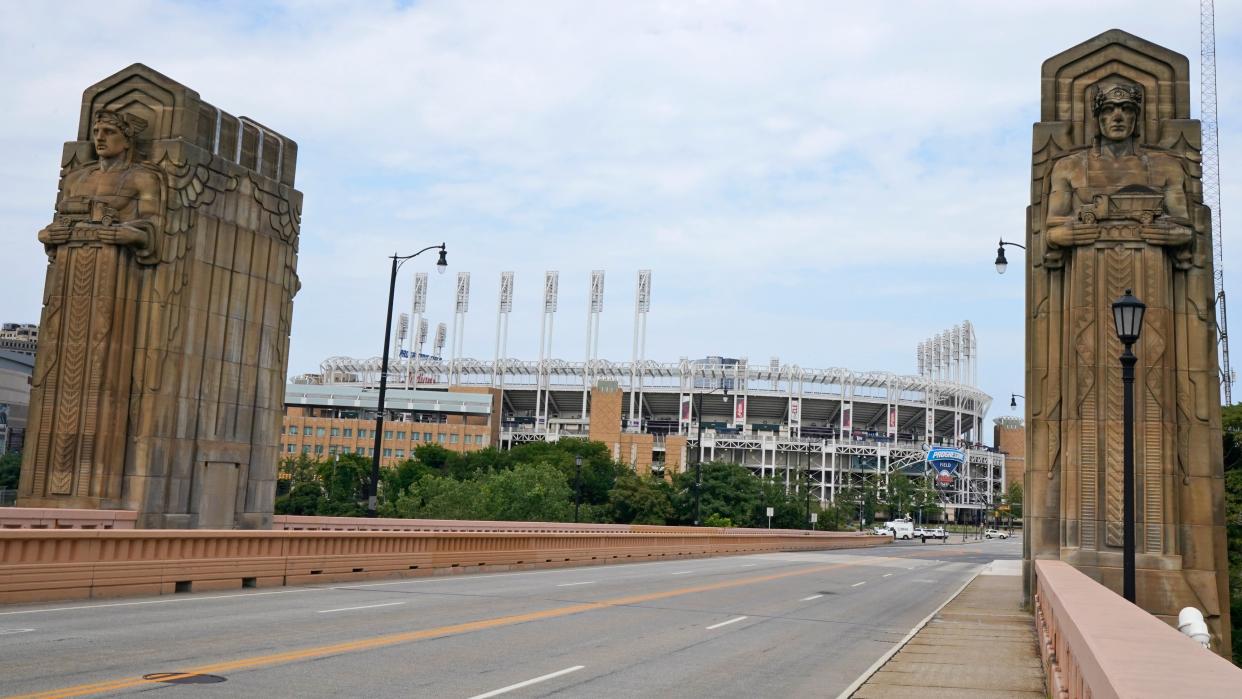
{"x": 882, "y": 531}
{"x": 995, "y": 534}
{"x": 901, "y": 529}
{"x": 921, "y": 533}
{"x": 937, "y": 532}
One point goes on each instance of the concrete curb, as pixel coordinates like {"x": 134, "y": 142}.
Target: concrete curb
{"x": 875, "y": 667}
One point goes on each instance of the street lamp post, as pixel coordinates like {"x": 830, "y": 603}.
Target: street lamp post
{"x": 397, "y": 261}
{"x": 577, "y": 485}
{"x": 698, "y": 463}
{"x": 1013, "y": 399}
{"x": 1001, "y": 263}
{"x": 1128, "y": 318}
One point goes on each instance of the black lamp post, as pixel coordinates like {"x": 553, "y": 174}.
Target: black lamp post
{"x": 698, "y": 463}
{"x": 577, "y": 485}
{"x": 1001, "y": 263}
{"x": 1128, "y": 317}
{"x": 1013, "y": 399}
{"x": 397, "y": 261}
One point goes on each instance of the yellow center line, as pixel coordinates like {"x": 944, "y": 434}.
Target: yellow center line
{"x": 409, "y": 636}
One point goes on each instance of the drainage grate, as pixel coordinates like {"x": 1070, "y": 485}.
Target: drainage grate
{"x": 182, "y": 678}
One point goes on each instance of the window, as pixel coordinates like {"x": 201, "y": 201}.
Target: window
{"x": 426, "y": 436}
{"x": 318, "y": 431}
{"x": 387, "y": 434}
{"x": 293, "y": 429}
{"x": 349, "y": 431}
{"x": 440, "y": 438}
{"x": 288, "y": 448}
{"x": 305, "y": 448}
{"x": 400, "y": 453}
{"x": 332, "y": 450}
{"x": 414, "y": 436}
{"x": 388, "y": 452}
{"x": 452, "y": 439}
{"x": 306, "y": 431}
{"x": 359, "y": 450}
{"x": 362, "y": 434}
{"x": 318, "y": 448}
{"x": 478, "y": 439}
{"x": 336, "y": 432}
{"x": 401, "y": 436}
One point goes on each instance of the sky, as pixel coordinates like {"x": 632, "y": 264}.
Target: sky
{"x": 820, "y": 182}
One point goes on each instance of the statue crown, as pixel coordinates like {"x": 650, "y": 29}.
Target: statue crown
{"x": 129, "y": 124}
{"x": 1116, "y": 93}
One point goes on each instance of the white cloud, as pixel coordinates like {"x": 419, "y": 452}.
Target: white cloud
{"x": 789, "y": 170}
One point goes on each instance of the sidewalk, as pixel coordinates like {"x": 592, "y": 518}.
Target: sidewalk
{"x": 981, "y": 644}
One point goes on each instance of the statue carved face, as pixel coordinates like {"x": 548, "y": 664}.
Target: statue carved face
{"x": 1117, "y": 120}
{"x": 110, "y": 141}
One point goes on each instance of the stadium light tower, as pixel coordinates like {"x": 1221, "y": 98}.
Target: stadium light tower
{"x": 397, "y": 261}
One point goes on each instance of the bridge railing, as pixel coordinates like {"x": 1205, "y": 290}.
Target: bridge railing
{"x": 39, "y": 565}
{"x": 1096, "y": 644}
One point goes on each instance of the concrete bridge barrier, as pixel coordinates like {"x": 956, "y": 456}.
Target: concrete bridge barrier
{"x": 1095, "y": 644}
{"x": 51, "y": 564}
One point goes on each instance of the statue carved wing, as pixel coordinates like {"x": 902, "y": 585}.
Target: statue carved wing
{"x": 188, "y": 187}
{"x": 283, "y": 212}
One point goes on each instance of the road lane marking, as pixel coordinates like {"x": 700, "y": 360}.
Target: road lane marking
{"x": 924, "y": 580}
{"x": 386, "y": 640}
{"x": 808, "y": 599}
{"x": 586, "y": 582}
{"x": 726, "y": 623}
{"x": 682, "y": 572}
{"x": 886, "y": 575}
{"x": 748, "y": 565}
{"x": 859, "y": 583}
{"x": 7, "y": 632}
{"x": 156, "y": 601}
{"x": 365, "y": 606}
{"x": 527, "y": 683}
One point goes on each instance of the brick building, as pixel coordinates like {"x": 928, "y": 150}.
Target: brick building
{"x": 1009, "y": 436}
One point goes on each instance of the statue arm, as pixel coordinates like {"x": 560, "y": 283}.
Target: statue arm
{"x": 1060, "y": 219}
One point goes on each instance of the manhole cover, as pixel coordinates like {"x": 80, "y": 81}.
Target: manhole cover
{"x": 182, "y": 678}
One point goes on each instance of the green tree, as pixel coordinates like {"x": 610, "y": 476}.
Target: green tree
{"x": 345, "y": 482}
{"x": 637, "y": 500}
{"x": 899, "y": 496}
{"x": 10, "y": 469}
{"x": 1231, "y": 421}
{"x": 527, "y": 493}
{"x": 1013, "y": 496}
{"x": 728, "y": 489}
{"x": 439, "y": 497}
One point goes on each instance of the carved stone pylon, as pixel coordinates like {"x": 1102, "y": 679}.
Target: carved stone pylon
{"x": 1116, "y": 204}
{"x": 159, "y": 379}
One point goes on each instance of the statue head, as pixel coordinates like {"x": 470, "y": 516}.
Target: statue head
{"x": 114, "y": 133}
{"x": 1117, "y": 107}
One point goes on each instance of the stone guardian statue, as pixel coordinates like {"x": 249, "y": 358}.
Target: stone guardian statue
{"x": 159, "y": 378}
{"x": 1116, "y": 205}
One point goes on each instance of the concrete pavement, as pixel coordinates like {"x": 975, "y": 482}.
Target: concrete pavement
{"x": 981, "y": 644}
{"x": 788, "y": 624}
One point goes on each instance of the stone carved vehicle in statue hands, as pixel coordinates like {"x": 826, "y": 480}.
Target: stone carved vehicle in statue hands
{"x": 1135, "y": 202}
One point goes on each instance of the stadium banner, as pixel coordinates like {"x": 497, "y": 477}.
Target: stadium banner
{"x": 892, "y": 421}
{"x": 945, "y": 462}
{"x": 795, "y": 412}
{"x": 685, "y": 409}
{"x": 739, "y": 411}
{"x": 847, "y": 418}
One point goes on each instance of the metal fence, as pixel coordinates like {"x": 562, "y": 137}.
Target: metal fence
{"x": 8, "y": 497}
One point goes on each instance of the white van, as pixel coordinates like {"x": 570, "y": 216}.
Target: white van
{"x": 901, "y": 529}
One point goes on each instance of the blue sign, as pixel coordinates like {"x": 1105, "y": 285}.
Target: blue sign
{"x": 938, "y": 454}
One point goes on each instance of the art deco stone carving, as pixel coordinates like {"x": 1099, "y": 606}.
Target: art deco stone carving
{"x": 159, "y": 379}
{"x": 1116, "y": 204}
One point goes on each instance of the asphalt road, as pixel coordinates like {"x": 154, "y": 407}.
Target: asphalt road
{"x": 793, "y": 624}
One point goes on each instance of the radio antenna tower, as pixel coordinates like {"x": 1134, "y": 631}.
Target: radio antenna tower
{"x": 1211, "y": 180}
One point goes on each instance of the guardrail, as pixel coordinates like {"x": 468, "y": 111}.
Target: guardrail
{"x": 57, "y": 518}
{"x": 1095, "y": 644}
{"x": 43, "y": 565}
{"x": 385, "y": 524}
